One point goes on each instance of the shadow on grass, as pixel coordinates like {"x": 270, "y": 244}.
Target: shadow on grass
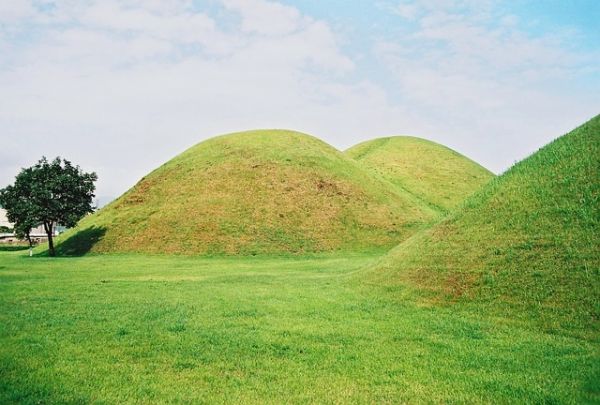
{"x": 13, "y": 248}
{"x": 81, "y": 242}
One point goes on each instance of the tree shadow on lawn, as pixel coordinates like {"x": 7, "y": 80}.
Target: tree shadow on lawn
{"x": 12, "y": 248}
{"x": 81, "y": 242}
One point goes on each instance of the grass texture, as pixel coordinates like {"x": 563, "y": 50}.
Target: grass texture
{"x": 177, "y": 329}
{"x": 496, "y": 303}
{"x": 264, "y": 192}
{"x": 525, "y": 246}
{"x": 436, "y": 175}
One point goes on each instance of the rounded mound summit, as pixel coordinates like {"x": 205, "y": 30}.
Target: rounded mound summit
{"x": 264, "y": 191}
{"x": 438, "y": 176}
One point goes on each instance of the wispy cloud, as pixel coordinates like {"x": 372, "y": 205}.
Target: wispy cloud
{"x": 474, "y": 71}
{"x": 121, "y": 86}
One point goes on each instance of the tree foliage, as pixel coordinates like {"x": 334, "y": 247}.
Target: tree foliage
{"x": 48, "y": 193}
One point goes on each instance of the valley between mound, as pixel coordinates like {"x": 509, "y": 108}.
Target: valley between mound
{"x": 525, "y": 246}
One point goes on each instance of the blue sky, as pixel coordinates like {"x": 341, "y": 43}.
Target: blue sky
{"x": 121, "y": 86}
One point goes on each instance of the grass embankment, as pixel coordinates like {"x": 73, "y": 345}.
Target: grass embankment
{"x": 526, "y": 246}
{"x": 432, "y": 173}
{"x": 249, "y": 193}
{"x": 143, "y": 329}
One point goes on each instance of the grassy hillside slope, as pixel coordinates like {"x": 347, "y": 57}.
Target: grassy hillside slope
{"x": 527, "y": 245}
{"x": 254, "y": 192}
{"x": 433, "y": 173}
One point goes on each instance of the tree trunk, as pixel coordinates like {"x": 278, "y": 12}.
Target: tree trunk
{"x": 28, "y": 235}
{"x": 48, "y": 229}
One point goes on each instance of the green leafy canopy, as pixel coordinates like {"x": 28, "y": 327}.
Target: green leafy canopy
{"x": 48, "y": 193}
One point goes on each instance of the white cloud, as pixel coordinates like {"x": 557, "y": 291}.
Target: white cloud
{"x": 180, "y": 27}
{"x": 15, "y": 10}
{"x": 489, "y": 88}
{"x": 267, "y": 17}
{"x": 408, "y": 11}
{"x": 121, "y": 86}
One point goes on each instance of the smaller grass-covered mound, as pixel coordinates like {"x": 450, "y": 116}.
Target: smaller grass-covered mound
{"x": 435, "y": 174}
{"x": 265, "y": 191}
{"x": 526, "y": 246}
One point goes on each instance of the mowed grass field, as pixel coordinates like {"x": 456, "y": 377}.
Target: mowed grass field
{"x": 160, "y": 329}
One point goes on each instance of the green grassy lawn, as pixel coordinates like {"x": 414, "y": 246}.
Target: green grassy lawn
{"x": 132, "y": 328}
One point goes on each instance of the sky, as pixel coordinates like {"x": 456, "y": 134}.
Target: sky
{"x": 121, "y": 86}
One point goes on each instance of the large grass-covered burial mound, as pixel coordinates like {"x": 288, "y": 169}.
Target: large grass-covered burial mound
{"x": 264, "y": 191}
{"x": 435, "y": 174}
{"x": 526, "y": 245}
{"x": 276, "y": 191}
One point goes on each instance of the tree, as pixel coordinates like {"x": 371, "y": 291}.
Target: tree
{"x": 23, "y": 231}
{"x": 23, "y": 221}
{"x": 48, "y": 193}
